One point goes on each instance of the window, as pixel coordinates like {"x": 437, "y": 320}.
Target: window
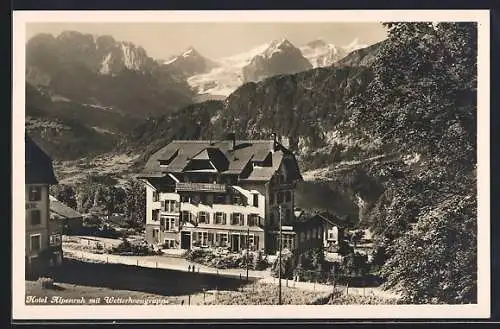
{"x": 203, "y": 217}
{"x": 169, "y": 205}
{"x": 184, "y": 198}
{"x": 255, "y": 200}
{"x": 237, "y": 219}
{"x": 221, "y": 239}
{"x": 330, "y": 235}
{"x": 288, "y": 196}
{"x": 220, "y": 218}
{"x": 156, "y": 234}
{"x": 35, "y": 193}
{"x": 210, "y": 239}
{"x": 156, "y": 196}
{"x": 236, "y": 199}
{"x": 169, "y": 224}
{"x": 35, "y": 242}
{"x": 288, "y": 214}
{"x": 35, "y": 217}
{"x": 287, "y": 241}
{"x": 314, "y": 234}
{"x": 169, "y": 244}
{"x": 280, "y": 197}
{"x": 186, "y": 216}
{"x": 271, "y": 198}
{"x": 201, "y": 238}
{"x": 302, "y": 236}
{"x": 253, "y": 220}
{"x": 155, "y": 214}
{"x": 55, "y": 240}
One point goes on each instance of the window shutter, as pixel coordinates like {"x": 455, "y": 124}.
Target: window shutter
{"x": 207, "y": 218}
{"x": 162, "y": 202}
{"x": 199, "y": 216}
{"x": 242, "y": 219}
{"x": 224, "y": 218}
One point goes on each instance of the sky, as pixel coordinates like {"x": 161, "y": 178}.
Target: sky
{"x": 216, "y": 40}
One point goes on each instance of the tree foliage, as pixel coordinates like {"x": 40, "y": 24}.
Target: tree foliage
{"x": 422, "y": 102}
{"x": 64, "y": 193}
{"x": 135, "y": 203}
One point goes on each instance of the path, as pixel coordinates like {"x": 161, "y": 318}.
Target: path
{"x": 181, "y": 264}
{"x": 164, "y": 262}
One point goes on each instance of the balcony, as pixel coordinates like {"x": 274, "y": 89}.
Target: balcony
{"x": 200, "y": 187}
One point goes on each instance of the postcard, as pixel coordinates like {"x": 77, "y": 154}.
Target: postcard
{"x": 251, "y": 165}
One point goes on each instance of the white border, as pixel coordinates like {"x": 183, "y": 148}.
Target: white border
{"x": 20, "y": 311}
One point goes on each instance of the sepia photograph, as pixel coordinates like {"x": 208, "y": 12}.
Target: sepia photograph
{"x": 193, "y": 162}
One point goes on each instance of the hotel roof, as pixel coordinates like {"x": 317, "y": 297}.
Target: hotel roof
{"x": 253, "y": 160}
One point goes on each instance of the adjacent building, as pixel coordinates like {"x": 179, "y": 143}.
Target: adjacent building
{"x": 225, "y": 193}
{"x": 333, "y": 229}
{"x": 41, "y": 248}
{"x": 64, "y": 218}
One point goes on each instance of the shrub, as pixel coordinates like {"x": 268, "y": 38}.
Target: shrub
{"x": 287, "y": 265}
{"x": 344, "y": 248}
{"x": 125, "y": 247}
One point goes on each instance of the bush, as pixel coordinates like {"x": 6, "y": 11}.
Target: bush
{"x": 46, "y": 283}
{"x": 125, "y": 247}
{"x": 223, "y": 261}
{"x": 258, "y": 262}
{"x": 287, "y": 265}
{"x": 344, "y": 248}
{"x": 355, "y": 264}
{"x": 339, "y": 298}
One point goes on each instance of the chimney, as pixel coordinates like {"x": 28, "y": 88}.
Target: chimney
{"x": 231, "y": 141}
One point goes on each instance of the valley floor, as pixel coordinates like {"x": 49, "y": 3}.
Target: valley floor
{"x": 118, "y": 165}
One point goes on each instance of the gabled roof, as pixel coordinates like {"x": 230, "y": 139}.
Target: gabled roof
{"x": 330, "y": 218}
{"x": 222, "y": 155}
{"x": 61, "y": 209}
{"x": 38, "y": 165}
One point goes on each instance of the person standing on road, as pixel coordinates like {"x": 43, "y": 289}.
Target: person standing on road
{"x": 189, "y": 268}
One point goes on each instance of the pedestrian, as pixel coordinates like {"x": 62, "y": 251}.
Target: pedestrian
{"x": 182, "y": 302}
{"x": 189, "y": 268}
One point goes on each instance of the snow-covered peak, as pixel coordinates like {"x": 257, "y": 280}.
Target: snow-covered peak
{"x": 189, "y": 52}
{"x": 277, "y": 46}
{"x": 354, "y": 45}
{"x": 321, "y": 53}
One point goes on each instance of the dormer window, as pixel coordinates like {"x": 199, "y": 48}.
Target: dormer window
{"x": 163, "y": 163}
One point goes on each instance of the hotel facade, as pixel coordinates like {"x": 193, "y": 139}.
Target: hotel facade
{"x": 228, "y": 193}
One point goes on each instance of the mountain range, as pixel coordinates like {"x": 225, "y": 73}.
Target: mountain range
{"x": 86, "y": 93}
{"x": 219, "y": 78}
